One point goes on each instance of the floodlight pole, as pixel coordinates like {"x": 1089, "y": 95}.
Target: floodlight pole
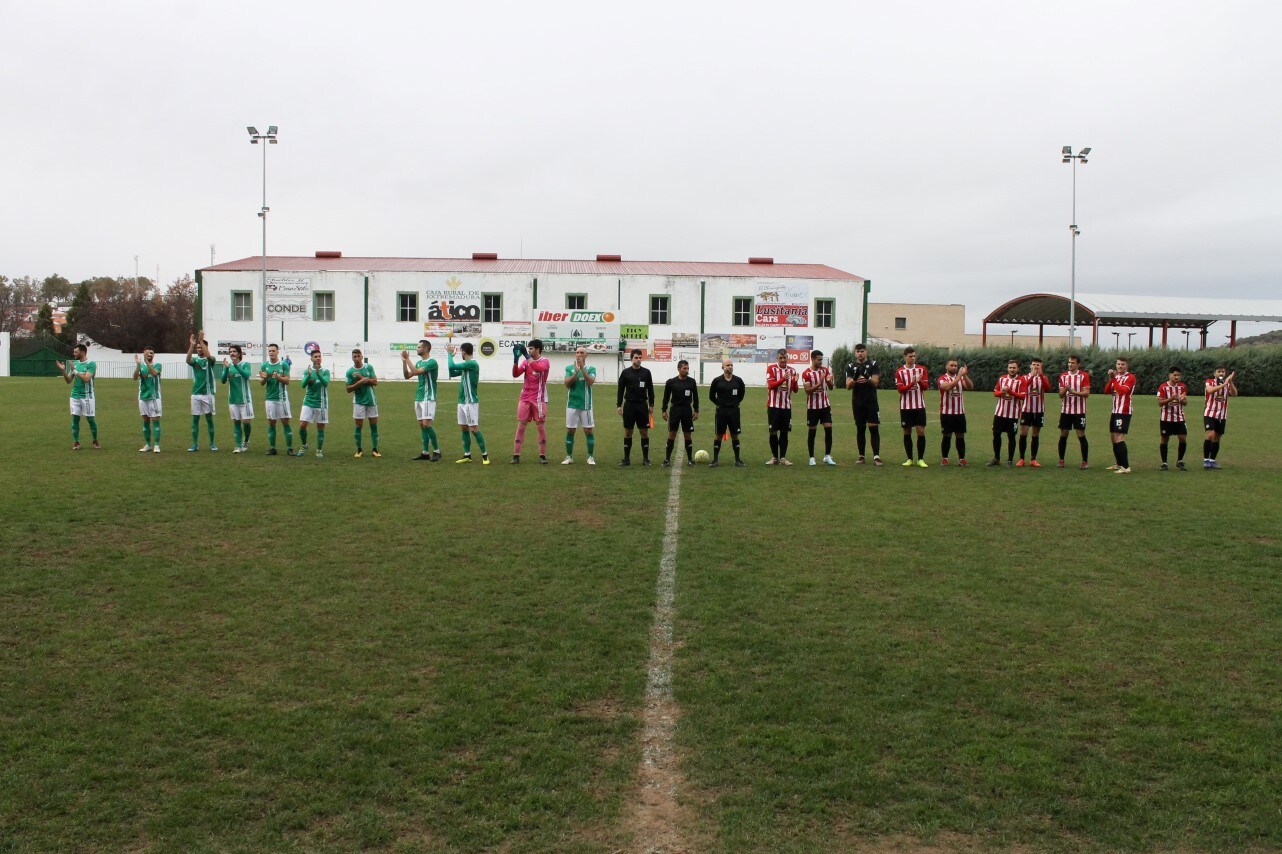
{"x": 1070, "y": 157}
{"x": 265, "y": 138}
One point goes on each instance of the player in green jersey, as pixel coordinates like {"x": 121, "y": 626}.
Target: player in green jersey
{"x": 240, "y": 403}
{"x": 424, "y": 397}
{"x": 147, "y": 373}
{"x": 79, "y": 374}
{"x": 274, "y": 374}
{"x": 579, "y": 379}
{"x": 202, "y": 389}
{"x": 315, "y": 384}
{"x": 469, "y": 407}
{"x": 361, "y": 380}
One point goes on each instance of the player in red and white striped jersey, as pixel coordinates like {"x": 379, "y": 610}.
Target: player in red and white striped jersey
{"x": 818, "y": 380}
{"x": 952, "y": 409}
{"x": 1010, "y": 399}
{"x": 1171, "y": 397}
{"x": 781, "y": 384}
{"x": 1074, "y": 388}
{"x": 1034, "y": 384}
{"x": 911, "y": 379}
{"x": 1219, "y": 389}
{"x": 1121, "y": 384}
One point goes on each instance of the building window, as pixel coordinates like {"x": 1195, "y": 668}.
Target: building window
{"x": 406, "y": 308}
{"x": 901, "y": 323}
{"x": 742, "y": 311}
{"x": 576, "y": 302}
{"x": 323, "y": 305}
{"x": 659, "y": 309}
{"x": 492, "y": 308}
{"x": 242, "y": 305}
{"x": 825, "y": 313}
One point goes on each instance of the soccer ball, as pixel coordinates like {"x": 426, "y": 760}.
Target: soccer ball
{"x": 700, "y": 456}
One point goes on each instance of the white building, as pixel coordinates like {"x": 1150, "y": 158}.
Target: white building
{"x": 672, "y": 310}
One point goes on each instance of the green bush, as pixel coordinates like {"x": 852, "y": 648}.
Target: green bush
{"x": 1259, "y": 368}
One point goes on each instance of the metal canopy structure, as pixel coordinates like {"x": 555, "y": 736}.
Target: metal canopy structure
{"x": 1164, "y": 313}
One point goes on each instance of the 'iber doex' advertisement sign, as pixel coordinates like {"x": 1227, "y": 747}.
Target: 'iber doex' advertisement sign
{"x": 563, "y": 331}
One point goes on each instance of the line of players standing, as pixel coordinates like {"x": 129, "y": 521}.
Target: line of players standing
{"x": 1021, "y": 409}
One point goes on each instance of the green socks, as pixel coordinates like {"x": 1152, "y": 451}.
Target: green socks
{"x": 373, "y": 435}
{"x": 289, "y": 437}
{"x": 480, "y": 441}
{"x": 235, "y": 429}
{"x": 569, "y": 444}
{"x": 209, "y": 422}
{"x": 320, "y": 439}
{"x": 93, "y": 426}
{"x": 591, "y": 445}
{"x": 195, "y": 430}
{"x": 75, "y": 429}
{"x": 358, "y": 437}
{"x": 271, "y": 436}
{"x": 146, "y": 432}
{"x": 431, "y": 438}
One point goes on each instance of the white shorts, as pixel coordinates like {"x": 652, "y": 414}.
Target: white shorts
{"x": 241, "y": 411}
{"x": 578, "y": 418}
{"x": 202, "y": 404}
{"x": 82, "y": 406}
{"x": 469, "y": 414}
{"x": 314, "y": 416}
{"x": 425, "y": 410}
{"x": 361, "y": 411}
{"x": 149, "y": 408}
{"x": 278, "y": 410}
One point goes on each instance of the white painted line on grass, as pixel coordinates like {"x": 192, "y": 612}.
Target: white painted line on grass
{"x": 656, "y": 824}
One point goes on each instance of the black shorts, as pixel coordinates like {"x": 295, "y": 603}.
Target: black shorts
{"x": 912, "y": 418}
{"x": 1004, "y": 425}
{"x": 635, "y": 415}
{"x": 1033, "y": 419}
{"x": 681, "y": 419}
{"x": 1173, "y": 428}
{"x": 1072, "y": 422}
{"x": 1215, "y": 425}
{"x": 949, "y": 424}
{"x": 779, "y": 419}
{"x": 866, "y": 411}
{"x": 815, "y": 417}
{"x": 727, "y": 420}
{"x": 1119, "y": 424}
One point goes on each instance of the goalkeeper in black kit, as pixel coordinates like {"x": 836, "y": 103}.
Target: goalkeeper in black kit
{"x": 726, "y": 393}
{"x": 636, "y": 405}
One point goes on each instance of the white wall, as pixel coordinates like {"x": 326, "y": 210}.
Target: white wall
{"x": 6, "y": 353}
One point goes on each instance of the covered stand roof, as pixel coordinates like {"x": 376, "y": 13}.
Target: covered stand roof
{"x": 1122, "y": 310}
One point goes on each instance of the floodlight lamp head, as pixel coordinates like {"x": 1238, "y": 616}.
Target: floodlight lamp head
{"x": 1065, "y": 160}
{"x": 253, "y": 131}
{"x": 1085, "y": 151}
{"x": 1068, "y": 149}
{"x": 272, "y": 140}
{"x": 272, "y": 130}
{"x": 1083, "y": 159}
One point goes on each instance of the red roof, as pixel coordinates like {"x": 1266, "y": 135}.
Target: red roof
{"x": 710, "y": 269}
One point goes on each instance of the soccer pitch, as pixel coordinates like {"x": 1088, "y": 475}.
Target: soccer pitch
{"x": 239, "y": 652}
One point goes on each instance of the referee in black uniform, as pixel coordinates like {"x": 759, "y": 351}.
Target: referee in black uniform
{"x": 726, "y": 393}
{"x": 682, "y": 394}
{"x": 862, "y": 377}
{"x": 636, "y": 405}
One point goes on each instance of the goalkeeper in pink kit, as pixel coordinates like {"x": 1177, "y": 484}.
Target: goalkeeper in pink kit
{"x": 533, "y": 405}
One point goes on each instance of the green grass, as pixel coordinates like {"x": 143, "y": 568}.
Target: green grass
{"x": 238, "y": 652}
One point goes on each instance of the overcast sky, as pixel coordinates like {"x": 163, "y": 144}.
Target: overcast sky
{"x": 913, "y": 143}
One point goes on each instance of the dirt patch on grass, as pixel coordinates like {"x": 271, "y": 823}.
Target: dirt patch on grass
{"x": 589, "y": 516}
{"x": 659, "y": 820}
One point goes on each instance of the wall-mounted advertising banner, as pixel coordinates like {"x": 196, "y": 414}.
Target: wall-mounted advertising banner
{"x": 782, "y": 304}
{"x": 513, "y": 332}
{"x": 462, "y": 329}
{"x": 289, "y": 298}
{"x": 768, "y": 347}
{"x": 662, "y": 350}
{"x": 565, "y": 331}
{"x": 714, "y": 346}
{"x": 799, "y": 347}
{"x": 634, "y": 330}
{"x": 685, "y": 340}
{"x": 453, "y": 303}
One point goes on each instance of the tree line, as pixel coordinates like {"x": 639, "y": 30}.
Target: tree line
{"x": 122, "y": 312}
